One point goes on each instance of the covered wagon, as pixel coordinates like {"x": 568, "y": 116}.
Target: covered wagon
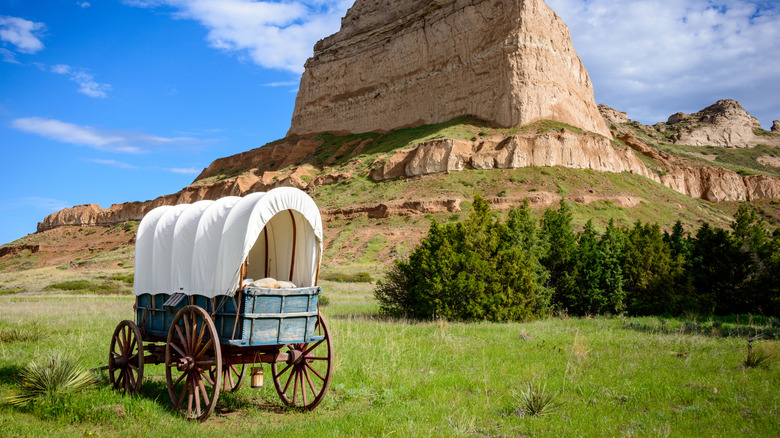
{"x": 201, "y": 310}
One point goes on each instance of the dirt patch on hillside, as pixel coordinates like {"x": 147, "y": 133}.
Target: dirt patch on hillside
{"x": 767, "y": 160}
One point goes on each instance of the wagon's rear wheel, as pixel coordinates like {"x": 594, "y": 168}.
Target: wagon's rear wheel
{"x": 126, "y": 358}
{"x": 191, "y": 352}
{"x": 304, "y": 379}
{"x": 232, "y": 376}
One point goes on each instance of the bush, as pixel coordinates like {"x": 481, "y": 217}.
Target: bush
{"x": 485, "y": 269}
{"x": 473, "y": 270}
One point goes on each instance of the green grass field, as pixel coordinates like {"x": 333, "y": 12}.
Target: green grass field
{"x": 609, "y": 376}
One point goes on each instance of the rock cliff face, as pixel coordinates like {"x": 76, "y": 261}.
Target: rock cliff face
{"x": 724, "y": 123}
{"x": 563, "y": 148}
{"x": 397, "y": 63}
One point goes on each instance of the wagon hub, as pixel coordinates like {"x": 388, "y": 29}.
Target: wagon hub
{"x": 185, "y": 364}
{"x": 295, "y": 356}
{"x": 120, "y": 362}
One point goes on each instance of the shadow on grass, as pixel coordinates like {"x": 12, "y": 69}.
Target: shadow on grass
{"x": 156, "y": 389}
{"x": 727, "y": 326}
{"x": 9, "y": 374}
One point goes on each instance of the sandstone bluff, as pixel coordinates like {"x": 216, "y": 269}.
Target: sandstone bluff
{"x": 398, "y": 63}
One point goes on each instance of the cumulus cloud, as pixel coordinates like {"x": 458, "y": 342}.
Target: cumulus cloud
{"x": 277, "y": 35}
{"x": 102, "y": 140}
{"x": 21, "y": 33}
{"x": 653, "y": 58}
{"x": 85, "y": 80}
{"x": 113, "y": 163}
{"x": 84, "y": 4}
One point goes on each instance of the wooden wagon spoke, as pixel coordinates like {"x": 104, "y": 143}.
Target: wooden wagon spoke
{"x": 200, "y": 335}
{"x": 303, "y": 387}
{"x": 308, "y": 379}
{"x": 287, "y": 385}
{"x": 315, "y": 371}
{"x": 182, "y": 339}
{"x": 282, "y": 371}
{"x": 205, "y": 348}
{"x": 229, "y": 377}
{"x": 308, "y": 350}
{"x": 178, "y": 350}
{"x": 205, "y": 375}
{"x": 185, "y": 389}
{"x": 130, "y": 378}
{"x": 295, "y": 385}
{"x": 183, "y": 375}
{"x": 189, "y": 398}
{"x": 186, "y": 340}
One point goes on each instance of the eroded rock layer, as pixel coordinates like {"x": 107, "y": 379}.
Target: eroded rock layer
{"x": 559, "y": 148}
{"x": 397, "y": 63}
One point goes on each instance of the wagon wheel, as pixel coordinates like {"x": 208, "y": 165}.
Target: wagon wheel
{"x": 303, "y": 381}
{"x": 232, "y": 376}
{"x": 126, "y": 358}
{"x": 191, "y": 352}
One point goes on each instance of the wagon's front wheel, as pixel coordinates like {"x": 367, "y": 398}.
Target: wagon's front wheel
{"x": 304, "y": 379}
{"x": 192, "y": 350}
{"x": 126, "y": 358}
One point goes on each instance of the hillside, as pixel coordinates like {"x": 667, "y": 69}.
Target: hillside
{"x": 368, "y": 221}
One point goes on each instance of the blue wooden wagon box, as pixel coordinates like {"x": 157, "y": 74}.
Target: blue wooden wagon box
{"x": 264, "y": 316}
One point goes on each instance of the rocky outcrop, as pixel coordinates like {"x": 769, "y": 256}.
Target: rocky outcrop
{"x": 277, "y": 155}
{"x": 725, "y": 123}
{"x": 776, "y": 126}
{"x": 393, "y": 208}
{"x": 612, "y": 116}
{"x": 398, "y": 63}
{"x": 16, "y": 249}
{"x": 560, "y": 148}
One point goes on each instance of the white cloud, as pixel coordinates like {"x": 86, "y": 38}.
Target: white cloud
{"x": 276, "y": 35}
{"x": 282, "y": 84}
{"x": 653, "y": 58}
{"x": 186, "y": 171}
{"x": 102, "y": 140}
{"x": 84, "y": 4}
{"x": 85, "y": 80}
{"x": 21, "y": 33}
{"x": 8, "y": 56}
{"x": 113, "y": 163}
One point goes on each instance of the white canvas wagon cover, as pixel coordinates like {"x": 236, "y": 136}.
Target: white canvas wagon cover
{"x": 200, "y": 248}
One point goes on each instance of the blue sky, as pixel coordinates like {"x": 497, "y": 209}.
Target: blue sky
{"x": 108, "y": 101}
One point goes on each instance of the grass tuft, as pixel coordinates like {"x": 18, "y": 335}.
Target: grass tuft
{"x": 535, "y": 400}
{"x": 31, "y": 333}
{"x": 758, "y": 356}
{"x": 53, "y": 375}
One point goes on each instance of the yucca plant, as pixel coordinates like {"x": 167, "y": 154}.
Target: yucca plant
{"x": 536, "y": 400}
{"x": 758, "y": 356}
{"x": 53, "y": 375}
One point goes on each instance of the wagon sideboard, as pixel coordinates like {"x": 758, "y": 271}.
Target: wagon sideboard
{"x": 252, "y": 317}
